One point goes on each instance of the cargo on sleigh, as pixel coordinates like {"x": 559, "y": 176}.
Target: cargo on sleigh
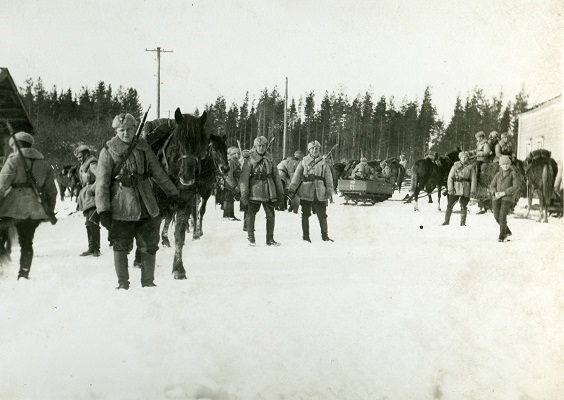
{"x": 365, "y": 191}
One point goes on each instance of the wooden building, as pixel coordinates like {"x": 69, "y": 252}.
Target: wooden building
{"x": 542, "y": 127}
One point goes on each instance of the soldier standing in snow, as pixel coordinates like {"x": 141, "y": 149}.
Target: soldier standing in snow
{"x": 125, "y": 200}
{"x": 313, "y": 183}
{"x": 86, "y": 199}
{"x": 231, "y": 190}
{"x": 459, "y": 184}
{"x": 260, "y": 184}
{"x": 19, "y": 204}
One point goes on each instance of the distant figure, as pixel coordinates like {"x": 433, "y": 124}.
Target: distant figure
{"x": 18, "y": 202}
{"x": 503, "y": 188}
{"x": 363, "y": 171}
{"x": 504, "y": 148}
{"x": 403, "y": 161}
{"x": 87, "y": 200}
{"x": 482, "y": 152}
{"x": 231, "y": 190}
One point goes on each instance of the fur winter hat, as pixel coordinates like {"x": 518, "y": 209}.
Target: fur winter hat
{"x": 260, "y": 141}
{"x": 313, "y": 144}
{"x": 363, "y": 159}
{"x": 298, "y": 153}
{"x": 246, "y": 153}
{"x": 493, "y": 135}
{"x": 464, "y": 154}
{"x": 480, "y": 135}
{"x": 504, "y": 160}
{"x": 124, "y": 121}
{"x": 23, "y": 137}
{"x": 82, "y": 148}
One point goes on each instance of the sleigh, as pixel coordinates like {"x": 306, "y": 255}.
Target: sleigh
{"x": 365, "y": 191}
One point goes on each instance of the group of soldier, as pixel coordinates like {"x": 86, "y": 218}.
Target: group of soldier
{"x": 504, "y": 187}
{"x": 117, "y": 193}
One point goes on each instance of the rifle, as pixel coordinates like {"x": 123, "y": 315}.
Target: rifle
{"x": 270, "y": 142}
{"x": 239, "y": 145}
{"x": 31, "y": 179}
{"x": 133, "y": 142}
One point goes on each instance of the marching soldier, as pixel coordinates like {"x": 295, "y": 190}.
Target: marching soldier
{"x": 260, "y": 184}
{"x": 18, "y": 202}
{"x": 125, "y": 200}
{"x": 459, "y": 184}
{"x": 86, "y": 198}
{"x": 313, "y": 183}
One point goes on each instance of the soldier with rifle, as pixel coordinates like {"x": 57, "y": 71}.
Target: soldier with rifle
{"x": 27, "y": 194}
{"x": 125, "y": 200}
{"x": 313, "y": 183}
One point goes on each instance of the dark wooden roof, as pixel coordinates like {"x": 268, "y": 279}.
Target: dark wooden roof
{"x": 12, "y": 107}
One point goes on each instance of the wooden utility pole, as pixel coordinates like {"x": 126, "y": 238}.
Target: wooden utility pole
{"x": 285, "y": 120}
{"x": 159, "y": 51}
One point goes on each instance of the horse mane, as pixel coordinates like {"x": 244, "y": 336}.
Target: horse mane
{"x": 189, "y": 137}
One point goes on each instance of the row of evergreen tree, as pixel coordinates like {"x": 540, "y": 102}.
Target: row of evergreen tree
{"x": 364, "y": 126}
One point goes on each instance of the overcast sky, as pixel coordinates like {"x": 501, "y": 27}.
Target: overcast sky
{"x": 393, "y": 48}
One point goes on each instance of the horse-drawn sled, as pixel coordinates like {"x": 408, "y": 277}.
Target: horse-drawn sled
{"x": 365, "y": 191}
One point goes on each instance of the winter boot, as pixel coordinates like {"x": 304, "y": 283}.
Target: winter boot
{"x": 463, "y": 213}
{"x": 250, "y": 224}
{"x": 25, "y": 263}
{"x": 324, "y": 235}
{"x": 270, "y": 232}
{"x": 305, "y": 229}
{"x": 148, "y": 270}
{"x": 120, "y": 263}
{"x": 95, "y": 233}
{"x": 448, "y": 213}
{"x": 138, "y": 261}
{"x": 89, "y": 251}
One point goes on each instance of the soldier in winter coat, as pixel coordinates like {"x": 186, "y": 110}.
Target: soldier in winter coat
{"x": 363, "y": 171}
{"x": 504, "y": 148}
{"x": 504, "y": 188}
{"x": 231, "y": 190}
{"x": 125, "y": 200}
{"x": 18, "y": 201}
{"x": 260, "y": 184}
{"x": 459, "y": 186}
{"x": 313, "y": 183}
{"x": 86, "y": 198}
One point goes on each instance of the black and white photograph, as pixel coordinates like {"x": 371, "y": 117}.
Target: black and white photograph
{"x": 286, "y": 200}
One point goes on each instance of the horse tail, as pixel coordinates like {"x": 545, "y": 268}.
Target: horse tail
{"x": 547, "y": 182}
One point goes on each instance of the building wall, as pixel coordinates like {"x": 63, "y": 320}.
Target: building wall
{"x": 542, "y": 128}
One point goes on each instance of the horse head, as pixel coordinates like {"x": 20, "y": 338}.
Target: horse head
{"x": 189, "y": 145}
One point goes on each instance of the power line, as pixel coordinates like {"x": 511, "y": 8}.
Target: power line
{"x": 159, "y": 51}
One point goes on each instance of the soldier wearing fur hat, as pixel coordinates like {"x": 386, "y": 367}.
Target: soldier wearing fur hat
{"x": 482, "y": 152}
{"x": 18, "y": 202}
{"x": 504, "y": 188}
{"x": 459, "y": 186}
{"x": 362, "y": 170}
{"x": 86, "y": 199}
{"x": 125, "y": 200}
{"x": 231, "y": 189}
{"x": 260, "y": 184}
{"x": 313, "y": 183}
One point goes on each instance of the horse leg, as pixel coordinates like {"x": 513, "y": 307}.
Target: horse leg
{"x": 195, "y": 218}
{"x": 439, "y": 187}
{"x": 164, "y": 233}
{"x": 201, "y": 215}
{"x": 178, "y": 270}
{"x": 415, "y": 196}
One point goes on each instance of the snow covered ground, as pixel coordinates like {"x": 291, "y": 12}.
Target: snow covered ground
{"x": 398, "y": 307}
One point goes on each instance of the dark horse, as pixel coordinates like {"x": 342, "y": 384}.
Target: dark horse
{"x": 428, "y": 174}
{"x": 193, "y": 159}
{"x": 541, "y": 171}
{"x": 394, "y": 170}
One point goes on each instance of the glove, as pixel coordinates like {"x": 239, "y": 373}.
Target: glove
{"x": 245, "y": 200}
{"x": 106, "y": 219}
{"x": 291, "y": 194}
{"x": 451, "y": 192}
{"x": 328, "y": 193}
{"x": 237, "y": 195}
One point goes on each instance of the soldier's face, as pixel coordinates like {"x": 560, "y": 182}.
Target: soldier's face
{"x": 126, "y": 134}
{"x": 314, "y": 151}
{"x": 504, "y": 167}
{"x": 261, "y": 149}
{"x": 82, "y": 156}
